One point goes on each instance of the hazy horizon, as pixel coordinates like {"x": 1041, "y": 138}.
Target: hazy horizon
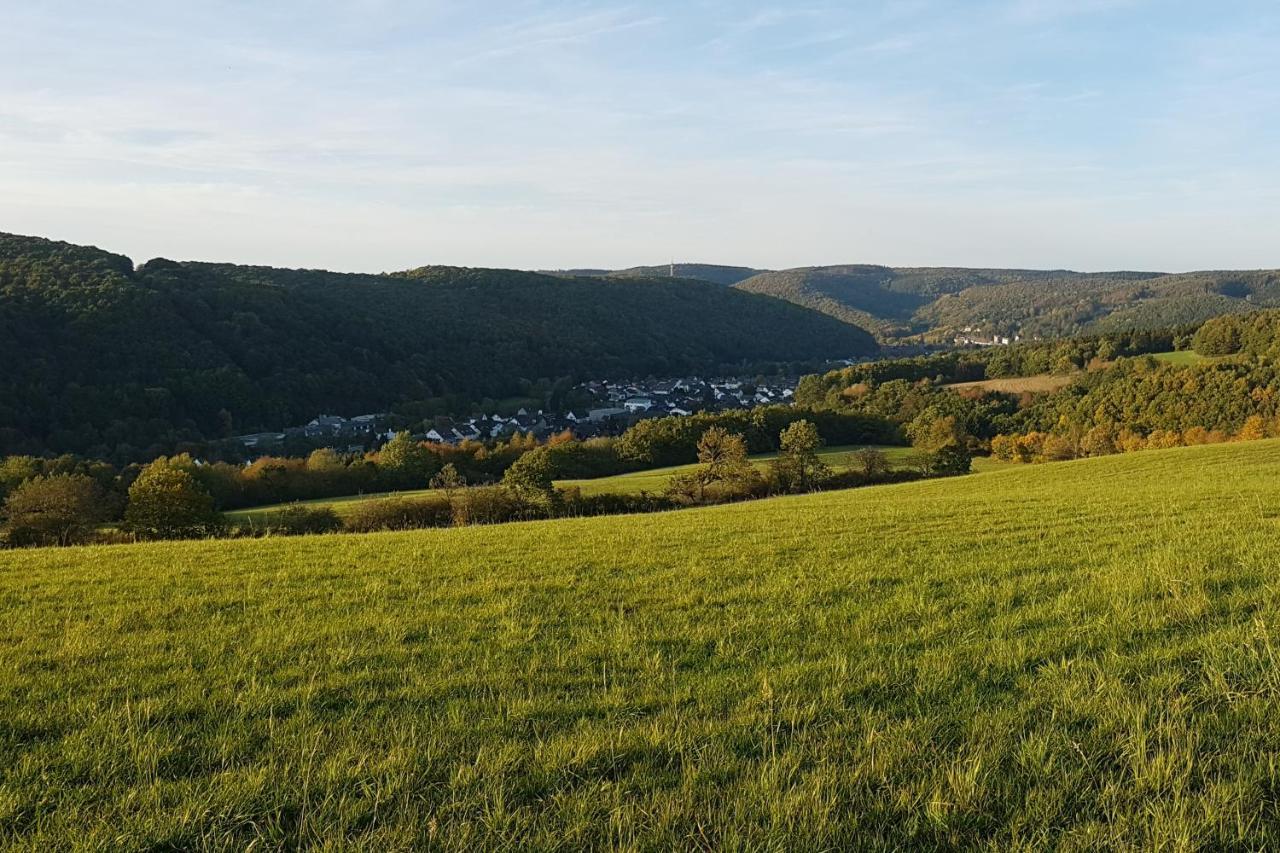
{"x": 1099, "y": 135}
{"x": 140, "y": 260}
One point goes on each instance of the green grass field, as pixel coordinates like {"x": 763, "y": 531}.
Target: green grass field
{"x": 654, "y": 481}
{"x": 1182, "y": 358}
{"x": 1073, "y": 656}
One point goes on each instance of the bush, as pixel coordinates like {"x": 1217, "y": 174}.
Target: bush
{"x": 299, "y": 519}
{"x": 399, "y": 514}
{"x": 493, "y": 505}
{"x": 871, "y": 462}
{"x": 576, "y": 504}
{"x": 857, "y": 479}
{"x": 690, "y": 489}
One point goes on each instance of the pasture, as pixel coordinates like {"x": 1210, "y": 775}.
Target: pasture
{"x": 1073, "y": 656}
{"x": 1042, "y": 383}
{"x": 1181, "y": 358}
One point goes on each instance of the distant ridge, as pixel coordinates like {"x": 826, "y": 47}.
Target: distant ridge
{"x": 937, "y": 302}
{"x": 714, "y": 273}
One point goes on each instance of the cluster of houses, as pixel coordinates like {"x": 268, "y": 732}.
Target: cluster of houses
{"x": 616, "y": 405}
{"x": 348, "y": 434}
{"x": 974, "y": 337}
{"x": 690, "y": 394}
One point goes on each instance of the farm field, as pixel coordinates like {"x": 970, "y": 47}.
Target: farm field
{"x": 1076, "y": 656}
{"x": 653, "y": 480}
{"x": 1039, "y": 384}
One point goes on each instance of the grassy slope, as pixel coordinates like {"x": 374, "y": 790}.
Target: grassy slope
{"x": 1042, "y": 383}
{"x": 1077, "y": 654}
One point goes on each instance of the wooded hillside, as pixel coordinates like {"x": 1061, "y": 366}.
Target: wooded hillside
{"x": 97, "y": 354}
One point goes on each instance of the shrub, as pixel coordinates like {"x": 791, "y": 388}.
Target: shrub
{"x": 493, "y": 505}
{"x": 948, "y": 461}
{"x": 300, "y": 519}
{"x": 856, "y": 479}
{"x": 448, "y": 480}
{"x": 695, "y": 488}
{"x": 399, "y": 514}
{"x": 576, "y": 504}
{"x": 1056, "y": 448}
{"x": 872, "y": 462}
{"x": 1004, "y": 447}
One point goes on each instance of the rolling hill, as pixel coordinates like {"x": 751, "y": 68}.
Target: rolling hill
{"x": 899, "y": 302}
{"x": 1068, "y": 656}
{"x": 905, "y": 301}
{"x": 99, "y": 355}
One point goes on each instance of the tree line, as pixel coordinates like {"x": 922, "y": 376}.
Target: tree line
{"x": 102, "y": 493}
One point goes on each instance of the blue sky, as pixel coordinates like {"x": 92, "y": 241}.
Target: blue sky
{"x": 372, "y": 135}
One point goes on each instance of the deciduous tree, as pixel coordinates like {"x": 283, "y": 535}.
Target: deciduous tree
{"x": 166, "y": 502}
{"x": 798, "y": 467}
{"x": 61, "y": 509}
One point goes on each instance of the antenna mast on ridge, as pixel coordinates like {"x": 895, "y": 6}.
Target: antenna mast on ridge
{"x": 673, "y": 269}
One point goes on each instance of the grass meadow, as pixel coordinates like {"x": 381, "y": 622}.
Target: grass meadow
{"x": 1077, "y": 656}
{"x": 1182, "y": 358}
{"x": 1042, "y": 383}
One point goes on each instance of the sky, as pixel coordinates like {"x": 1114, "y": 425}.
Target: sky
{"x": 379, "y": 135}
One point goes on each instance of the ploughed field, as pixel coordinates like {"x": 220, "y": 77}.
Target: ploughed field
{"x": 1077, "y": 655}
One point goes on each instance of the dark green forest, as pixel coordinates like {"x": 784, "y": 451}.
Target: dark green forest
{"x": 105, "y": 359}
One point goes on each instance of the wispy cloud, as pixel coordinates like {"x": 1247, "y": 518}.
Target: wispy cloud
{"x": 535, "y": 133}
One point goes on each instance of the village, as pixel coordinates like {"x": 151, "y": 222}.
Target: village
{"x": 975, "y": 337}
{"x": 615, "y": 406}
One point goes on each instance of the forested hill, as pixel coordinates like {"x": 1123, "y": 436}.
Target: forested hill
{"x": 97, "y": 355}
{"x": 898, "y": 302}
{"x": 1048, "y": 303}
